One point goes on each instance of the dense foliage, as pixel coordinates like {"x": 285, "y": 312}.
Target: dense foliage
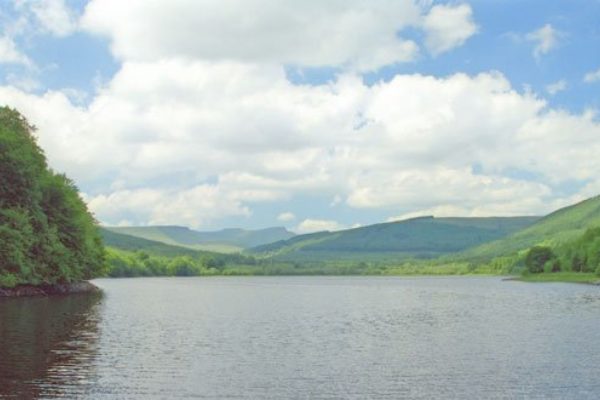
{"x": 581, "y": 255}
{"x": 538, "y": 257}
{"x": 129, "y": 256}
{"x": 140, "y": 263}
{"x": 47, "y": 234}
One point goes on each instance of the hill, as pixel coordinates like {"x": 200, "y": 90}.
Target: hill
{"x": 423, "y": 237}
{"x": 131, "y": 243}
{"x": 224, "y": 241}
{"x": 133, "y": 256}
{"x": 559, "y": 227}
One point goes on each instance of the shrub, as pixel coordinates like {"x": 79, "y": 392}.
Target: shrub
{"x": 8, "y": 281}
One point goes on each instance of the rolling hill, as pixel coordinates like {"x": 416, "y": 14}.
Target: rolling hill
{"x": 559, "y": 227}
{"x": 123, "y": 259}
{"x": 131, "y": 243}
{"x": 224, "y": 241}
{"x": 423, "y": 237}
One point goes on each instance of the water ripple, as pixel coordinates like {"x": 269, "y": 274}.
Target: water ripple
{"x": 299, "y": 338}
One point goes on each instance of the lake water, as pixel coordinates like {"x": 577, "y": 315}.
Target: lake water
{"x": 304, "y": 338}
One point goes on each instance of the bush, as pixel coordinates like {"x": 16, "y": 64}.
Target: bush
{"x": 8, "y": 281}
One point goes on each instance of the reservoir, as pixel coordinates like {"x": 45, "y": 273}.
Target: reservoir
{"x": 304, "y": 338}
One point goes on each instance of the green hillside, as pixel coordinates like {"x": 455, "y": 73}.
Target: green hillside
{"x": 133, "y": 256}
{"x": 559, "y": 227}
{"x": 424, "y": 237}
{"x": 224, "y": 241}
{"x": 132, "y": 243}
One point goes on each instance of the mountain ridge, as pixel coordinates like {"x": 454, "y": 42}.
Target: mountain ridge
{"x": 226, "y": 240}
{"x": 419, "y": 237}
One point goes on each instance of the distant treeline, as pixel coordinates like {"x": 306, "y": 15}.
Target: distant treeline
{"x": 122, "y": 263}
{"x": 47, "y": 235}
{"x": 581, "y": 255}
{"x": 139, "y": 263}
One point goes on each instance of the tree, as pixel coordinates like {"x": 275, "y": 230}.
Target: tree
{"x": 47, "y": 235}
{"x": 537, "y": 257}
{"x": 183, "y": 266}
{"x": 577, "y": 264}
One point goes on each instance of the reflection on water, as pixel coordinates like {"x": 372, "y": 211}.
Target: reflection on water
{"x": 46, "y": 344}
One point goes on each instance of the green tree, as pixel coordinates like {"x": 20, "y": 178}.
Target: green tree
{"x": 537, "y": 257}
{"x": 47, "y": 234}
{"x": 577, "y": 264}
{"x": 184, "y": 266}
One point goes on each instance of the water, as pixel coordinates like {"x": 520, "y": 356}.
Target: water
{"x": 304, "y": 337}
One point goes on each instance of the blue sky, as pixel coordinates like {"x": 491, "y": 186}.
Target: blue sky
{"x": 321, "y": 115}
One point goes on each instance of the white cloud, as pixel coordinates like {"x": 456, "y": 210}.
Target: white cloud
{"x": 591, "y": 77}
{"x": 309, "y": 33}
{"x": 453, "y": 189}
{"x": 195, "y": 207}
{"x": 318, "y": 225}
{"x": 448, "y": 26}
{"x": 193, "y": 142}
{"x": 9, "y": 54}
{"x": 556, "y": 87}
{"x": 45, "y": 16}
{"x": 546, "y": 38}
{"x": 312, "y": 33}
{"x": 520, "y": 207}
{"x": 54, "y": 16}
{"x": 32, "y": 17}
{"x": 200, "y": 122}
{"x": 24, "y": 82}
{"x": 286, "y": 217}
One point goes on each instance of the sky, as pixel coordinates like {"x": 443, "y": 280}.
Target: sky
{"x": 313, "y": 115}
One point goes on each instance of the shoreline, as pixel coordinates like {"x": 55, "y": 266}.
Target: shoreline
{"x": 587, "y": 279}
{"x": 48, "y": 290}
{"x": 559, "y": 277}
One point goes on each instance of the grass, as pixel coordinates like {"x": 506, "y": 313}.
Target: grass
{"x": 573, "y": 277}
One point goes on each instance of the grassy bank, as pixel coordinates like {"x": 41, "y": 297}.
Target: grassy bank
{"x": 573, "y": 277}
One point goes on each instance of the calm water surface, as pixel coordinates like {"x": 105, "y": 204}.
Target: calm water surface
{"x": 304, "y": 338}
